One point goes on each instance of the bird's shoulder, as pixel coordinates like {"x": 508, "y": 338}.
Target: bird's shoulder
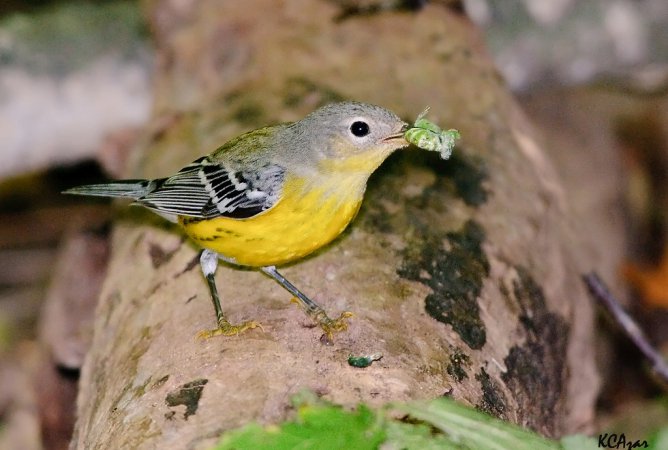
{"x": 249, "y": 147}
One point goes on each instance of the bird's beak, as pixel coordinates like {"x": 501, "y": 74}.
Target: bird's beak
{"x": 397, "y": 136}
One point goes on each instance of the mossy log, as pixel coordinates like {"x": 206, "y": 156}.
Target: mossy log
{"x": 464, "y": 274}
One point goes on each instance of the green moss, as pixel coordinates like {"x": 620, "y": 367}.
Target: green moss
{"x": 455, "y": 277}
{"x": 459, "y": 362}
{"x": 187, "y": 395}
{"x": 493, "y": 401}
{"x": 536, "y": 370}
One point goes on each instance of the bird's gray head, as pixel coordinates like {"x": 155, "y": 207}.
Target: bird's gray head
{"x": 346, "y": 129}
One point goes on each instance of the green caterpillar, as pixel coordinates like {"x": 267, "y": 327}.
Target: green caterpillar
{"x": 429, "y": 136}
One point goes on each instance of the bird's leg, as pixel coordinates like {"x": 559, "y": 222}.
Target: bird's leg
{"x": 209, "y": 262}
{"x": 311, "y": 308}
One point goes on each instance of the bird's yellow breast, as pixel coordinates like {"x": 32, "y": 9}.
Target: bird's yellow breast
{"x": 305, "y": 218}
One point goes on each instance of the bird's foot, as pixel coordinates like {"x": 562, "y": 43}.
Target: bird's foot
{"x": 225, "y": 328}
{"x": 329, "y": 326}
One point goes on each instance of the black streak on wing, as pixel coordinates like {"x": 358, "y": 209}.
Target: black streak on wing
{"x": 206, "y": 190}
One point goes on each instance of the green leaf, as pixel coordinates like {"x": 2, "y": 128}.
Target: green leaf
{"x": 474, "y": 429}
{"x": 440, "y": 424}
{"x": 579, "y": 442}
{"x": 317, "y": 427}
{"x": 407, "y": 436}
{"x": 659, "y": 439}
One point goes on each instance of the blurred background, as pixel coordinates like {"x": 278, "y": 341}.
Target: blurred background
{"x": 76, "y": 89}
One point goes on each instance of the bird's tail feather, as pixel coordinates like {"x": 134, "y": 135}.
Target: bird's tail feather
{"x": 123, "y": 188}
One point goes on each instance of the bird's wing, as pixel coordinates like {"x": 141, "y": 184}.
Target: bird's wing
{"x": 206, "y": 189}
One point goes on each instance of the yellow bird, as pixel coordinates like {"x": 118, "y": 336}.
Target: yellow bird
{"x": 272, "y": 195}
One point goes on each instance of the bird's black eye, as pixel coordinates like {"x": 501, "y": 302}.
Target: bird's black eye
{"x": 359, "y": 128}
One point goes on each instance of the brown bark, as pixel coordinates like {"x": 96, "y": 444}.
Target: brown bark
{"x": 464, "y": 274}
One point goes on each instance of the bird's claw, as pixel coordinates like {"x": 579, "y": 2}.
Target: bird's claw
{"x": 225, "y": 328}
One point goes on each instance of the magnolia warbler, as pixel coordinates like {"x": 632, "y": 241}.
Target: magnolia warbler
{"x": 272, "y": 195}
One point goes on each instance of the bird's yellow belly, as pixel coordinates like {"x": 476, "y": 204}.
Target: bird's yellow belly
{"x": 301, "y": 222}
